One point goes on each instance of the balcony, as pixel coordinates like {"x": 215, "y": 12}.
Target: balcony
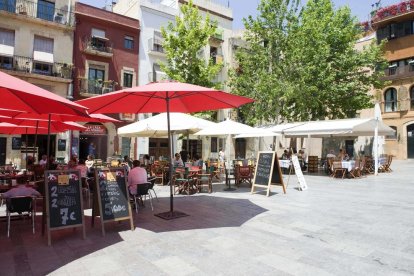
{"x": 157, "y": 76}
{"x": 218, "y": 36}
{"x": 98, "y": 46}
{"x": 27, "y": 65}
{"x": 155, "y": 47}
{"x": 401, "y": 72}
{"x": 90, "y": 88}
{"x": 388, "y": 13}
{"x": 44, "y": 11}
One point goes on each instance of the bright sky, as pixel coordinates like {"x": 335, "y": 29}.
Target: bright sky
{"x": 244, "y": 8}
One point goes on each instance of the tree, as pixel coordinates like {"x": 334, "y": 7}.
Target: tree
{"x": 260, "y": 73}
{"x": 184, "y": 42}
{"x": 315, "y": 73}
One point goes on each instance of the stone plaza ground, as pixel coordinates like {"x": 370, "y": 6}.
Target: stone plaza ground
{"x": 337, "y": 227}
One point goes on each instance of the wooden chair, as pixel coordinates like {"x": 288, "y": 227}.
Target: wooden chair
{"x": 157, "y": 172}
{"x": 338, "y": 171}
{"x": 356, "y": 171}
{"x": 204, "y": 180}
{"x": 38, "y": 172}
{"x": 215, "y": 170}
{"x": 243, "y": 174}
{"x": 387, "y": 166}
{"x": 312, "y": 164}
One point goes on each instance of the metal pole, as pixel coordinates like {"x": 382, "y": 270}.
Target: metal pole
{"x": 35, "y": 141}
{"x": 171, "y": 154}
{"x": 48, "y": 142}
{"x": 27, "y": 149}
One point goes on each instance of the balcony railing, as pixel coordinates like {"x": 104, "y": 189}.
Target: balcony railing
{"x": 96, "y": 87}
{"x": 155, "y": 45}
{"x": 31, "y": 66}
{"x": 41, "y": 10}
{"x": 393, "y": 73}
{"x": 98, "y": 44}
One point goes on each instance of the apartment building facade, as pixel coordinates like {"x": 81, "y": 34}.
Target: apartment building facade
{"x": 106, "y": 47}
{"x": 395, "y": 23}
{"x": 36, "y": 45}
{"x": 155, "y": 14}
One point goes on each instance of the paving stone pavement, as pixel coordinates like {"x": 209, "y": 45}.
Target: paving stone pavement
{"x": 337, "y": 227}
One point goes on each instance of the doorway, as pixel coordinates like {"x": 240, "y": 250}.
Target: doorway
{"x": 3, "y": 143}
{"x": 195, "y": 147}
{"x": 410, "y": 141}
{"x": 349, "y": 148}
{"x": 41, "y": 144}
{"x": 240, "y": 148}
{"x": 101, "y": 146}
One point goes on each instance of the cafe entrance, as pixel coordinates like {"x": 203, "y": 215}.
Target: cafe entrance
{"x": 94, "y": 138}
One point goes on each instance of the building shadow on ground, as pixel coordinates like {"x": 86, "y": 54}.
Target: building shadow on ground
{"x": 204, "y": 211}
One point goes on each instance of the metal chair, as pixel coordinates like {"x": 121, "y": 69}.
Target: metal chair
{"x": 142, "y": 190}
{"x": 19, "y": 205}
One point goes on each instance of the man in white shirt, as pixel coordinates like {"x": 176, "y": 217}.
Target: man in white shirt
{"x": 137, "y": 175}
{"x": 43, "y": 161}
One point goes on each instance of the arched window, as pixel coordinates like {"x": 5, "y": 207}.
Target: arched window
{"x": 412, "y": 98}
{"x": 390, "y": 97}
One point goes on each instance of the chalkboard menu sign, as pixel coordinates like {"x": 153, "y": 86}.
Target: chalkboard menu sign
{"x": 64, "y": 205}
{"x": 16, "y": 143}
{"x": 111, "y": 202}
{"x": 267, "y": 171}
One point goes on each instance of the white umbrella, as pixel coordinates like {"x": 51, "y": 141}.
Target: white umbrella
{"x": 229, "y": 127}
{"x": 156, "y": 126}
{"x": 378, "y": 145}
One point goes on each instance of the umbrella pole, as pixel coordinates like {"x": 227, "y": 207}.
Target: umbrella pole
{"x": 188, "y": 143}
{"x": 27, "y": 150}
{"x": 171, "y": 214}
{"x": 35, "y": 141}
{"x": 48, "y": 142}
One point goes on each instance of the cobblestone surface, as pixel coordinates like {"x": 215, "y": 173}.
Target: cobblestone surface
{"x": 338, "y": 227}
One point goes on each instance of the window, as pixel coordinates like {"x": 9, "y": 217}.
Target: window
{"x": 45, "y": 10}
{"x": 95, "y": 80}
{"x": 213, "y": 144}
{"x": 43, "y": 55}
{"x": 129, "y": 42}
{"x": 99, "y": 41}
{"x": 390, "y": 97}
{"x": 393, "y": 136}
{"x": 42, "y": 68}
{"x": 213, "y": 54}
{"x": 128, "y": 79}
{"x": 392, "y": 68}
{"x": 412, "y": 98}
{"x": 6, "y": 62}
{"x": 6, "y": 45}
{"x": 8, "y": 5}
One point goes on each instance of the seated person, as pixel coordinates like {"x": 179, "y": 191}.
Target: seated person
{"x": 331, "y": 154}
{"x": 341, "y": 154}
{"x": 43, "y": 161}
{"x": 137, "y": 175}
{"x": 89, "y": 162}
{"x": 82, "y": 168}
{"x": 285, "y": 155}
{"x": 20, "y": 190}
{"x": 198, "y": 161}
{"x": 178, "y": 162}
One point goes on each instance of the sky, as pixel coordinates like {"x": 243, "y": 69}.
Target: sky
{"x": 244, "y": 8}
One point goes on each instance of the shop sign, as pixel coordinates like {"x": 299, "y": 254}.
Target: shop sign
{"x": 94, "y": 130}
{"x": 127, "y": 116}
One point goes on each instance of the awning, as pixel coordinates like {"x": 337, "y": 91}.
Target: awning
{"x": 6, "y": 50}
{"x": 43, "y": 56}
{"x": 345, "y": 127}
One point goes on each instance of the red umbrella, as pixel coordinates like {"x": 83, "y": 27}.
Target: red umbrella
{"x": 99, "y": 118}
{"x": 55, "y": 126}
{"x": 164, "y": 97}
{"x": 17, "y": 94}
{"x": 10, "y": 128}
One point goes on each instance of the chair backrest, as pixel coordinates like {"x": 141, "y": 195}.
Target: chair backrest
{"x": 19, "y": 204}
{"x": 142, "y": 189}
{"x": 337, "y": 165}
{"x": 38, "y": 171}
{"x": 244, "y": 171}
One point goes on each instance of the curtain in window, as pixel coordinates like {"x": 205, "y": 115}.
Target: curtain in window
{"x": 391, "y": 100}
{"x": 42, "y": 44}
{"x": 7, "y": 37}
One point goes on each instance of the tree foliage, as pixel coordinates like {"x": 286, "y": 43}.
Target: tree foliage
{"x": 303, "y": 65}
{"x": 184, "y": 42}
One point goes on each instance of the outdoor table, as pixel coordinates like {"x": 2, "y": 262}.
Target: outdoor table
{"x": 285, "y": 163}
{"x": 349, "y": 165}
